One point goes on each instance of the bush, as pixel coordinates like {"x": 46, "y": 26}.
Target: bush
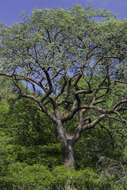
{"x": 23, "y": 176}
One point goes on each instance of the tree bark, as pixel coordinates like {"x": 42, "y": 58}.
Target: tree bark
{"x": 66, "y": 145}
{"x": 68, "y": 162}
{"x": 68, "y": 155}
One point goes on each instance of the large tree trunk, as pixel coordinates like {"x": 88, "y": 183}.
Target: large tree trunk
{"x": 67, "y": 149}
{"x": 69, "y": 163}
{"x": 68, "y": 155}
{"x": 67, "y": 146}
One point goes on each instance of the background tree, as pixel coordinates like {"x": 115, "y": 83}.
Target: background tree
{"x": 67, "y": 61}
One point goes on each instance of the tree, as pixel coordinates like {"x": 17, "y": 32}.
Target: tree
{"x": 67, "y": 60}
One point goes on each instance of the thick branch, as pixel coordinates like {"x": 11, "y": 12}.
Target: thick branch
{"x": 120, "y": 102}
{"x": 49, "y": 114}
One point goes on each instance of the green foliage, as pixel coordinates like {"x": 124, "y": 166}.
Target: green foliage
{"x": 30, "y": 124}
{"x": 24, "y": 176}
{"x": 34, "y": 136}
{"x": 84, "y": 179}
{"x": 30, "y": 153}
{"x": 65, "y": 28}
{"x": 38, "y": 177}
{"x": 22, "y": 165}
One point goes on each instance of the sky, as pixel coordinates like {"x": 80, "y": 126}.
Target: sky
{"x": 10, "y": 10}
